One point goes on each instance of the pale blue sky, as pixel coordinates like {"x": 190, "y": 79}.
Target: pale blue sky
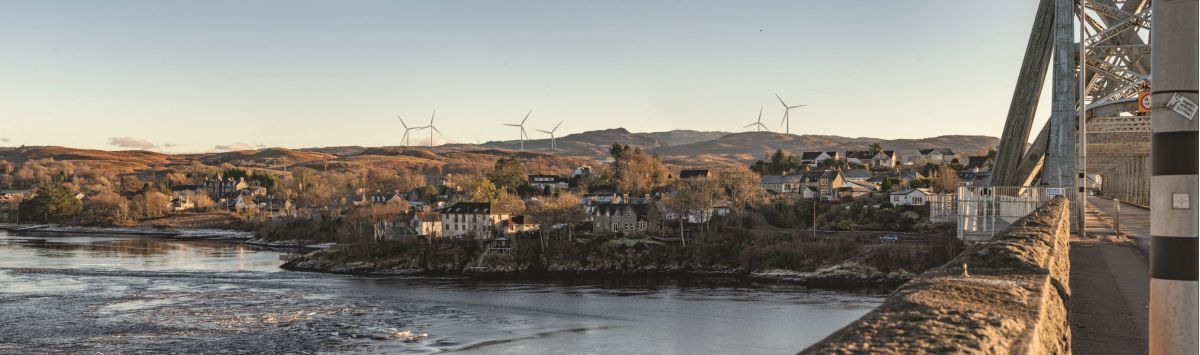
{"x": 189, "y": 76}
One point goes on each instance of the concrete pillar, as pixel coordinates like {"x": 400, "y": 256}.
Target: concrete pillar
{"x": 1173, "y": 187}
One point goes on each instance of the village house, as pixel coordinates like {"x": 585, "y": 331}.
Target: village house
{"x": 547, "y": 183}
{"x": 471, "y": 219}
{"x": 224, "y": 188}
{"x": 971, "y": 178}
{"x": 825, "y": 182}
{"x": 623, "y": 218}
{"x": 978, "y": 164}
{"x": 384, "y": 198}
{"x": 910, "y": 197}
{"x": 181, "y": 203}
{"x": 426, "y": 224}
{"x": 782, "y": 184}
{"x": 872, "y": 159}
{"x": 857, "y": 175}
{"x": 518, "y": 224}
{"x": 815, "y": 158}
{"x": 937, "y": 156}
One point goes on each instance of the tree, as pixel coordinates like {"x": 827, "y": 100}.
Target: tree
{"x": 507, "y": 174}
{"x": 636, "y": 172}
{"x": 54, "y": 202}
{"x": 876, "y": 147}
{"x": 483, "y": 190}
{"x": 150, "y": 204}
{"x": 203, "y": 202}
{"x": 944, "y": 179}
{"x": 743, "y": 188}
{"x": 107, "y": 208}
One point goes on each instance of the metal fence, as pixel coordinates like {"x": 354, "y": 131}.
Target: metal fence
{"x": 980, "y": 211}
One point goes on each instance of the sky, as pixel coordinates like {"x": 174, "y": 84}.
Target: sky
{"x": 197, "y": 76}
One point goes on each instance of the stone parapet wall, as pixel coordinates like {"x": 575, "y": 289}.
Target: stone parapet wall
{"x": 1005, "y": 295}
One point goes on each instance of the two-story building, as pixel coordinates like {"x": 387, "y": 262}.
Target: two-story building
{"x": 471, "y": 220}
{"x": 426, "y": 224}
{"x": 624, "y": 218}
{"x": 224, "y": 188}
{"x": 782, "y": 184}
{"x": 825, "y": 182}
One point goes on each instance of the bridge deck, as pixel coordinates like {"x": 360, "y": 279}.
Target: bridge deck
{"x": 1110, "y": 283}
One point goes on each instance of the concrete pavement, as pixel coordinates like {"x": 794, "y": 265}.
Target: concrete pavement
{"x": 1110, "y": 282}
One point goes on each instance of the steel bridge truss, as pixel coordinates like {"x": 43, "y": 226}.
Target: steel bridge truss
{"x": 1117, "y": 142}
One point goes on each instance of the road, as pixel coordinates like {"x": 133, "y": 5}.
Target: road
{"x": 1110, "y": 281}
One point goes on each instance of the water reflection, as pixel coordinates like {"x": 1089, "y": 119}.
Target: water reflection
{"x": 66, "y": 250}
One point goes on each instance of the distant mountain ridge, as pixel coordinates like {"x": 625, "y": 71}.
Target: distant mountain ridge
{"x": 727, "y": 147}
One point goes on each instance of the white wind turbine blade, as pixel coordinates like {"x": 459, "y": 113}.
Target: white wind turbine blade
{"x": 556, "y": 126}
{"x": 781, "y": 101}
{"x": 545, "y": 131}
{"x": 402, "y": 123}
{"x": 526, "y": 117}
{"x": 439, "y": 132}
{"x": 512, "y": 124}
{"x": 751, "y": 125}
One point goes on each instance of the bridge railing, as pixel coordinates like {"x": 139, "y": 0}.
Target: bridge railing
{"x": 980, "y": 211}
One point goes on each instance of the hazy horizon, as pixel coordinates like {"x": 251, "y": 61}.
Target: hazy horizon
{"x": 198, "y": 77}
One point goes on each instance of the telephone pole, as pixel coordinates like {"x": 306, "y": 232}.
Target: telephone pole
{"x": 1173, "y": 182}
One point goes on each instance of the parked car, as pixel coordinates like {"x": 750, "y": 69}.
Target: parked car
{"x": 889, "y": 238}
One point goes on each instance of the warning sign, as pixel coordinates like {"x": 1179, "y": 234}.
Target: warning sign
{"x": 1144, "y": 101}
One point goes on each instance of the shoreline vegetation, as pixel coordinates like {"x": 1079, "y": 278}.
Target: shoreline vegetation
{"x": 817, "y": 262}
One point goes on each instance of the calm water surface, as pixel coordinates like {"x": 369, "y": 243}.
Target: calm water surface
{"x": 107, "y": 293}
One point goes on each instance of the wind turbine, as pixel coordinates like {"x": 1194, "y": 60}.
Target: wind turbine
{"x": 522, "y": 125}
{"x": 553, "y": 145}
{"x": 432, "y": 129}
{"x": 758, "y": 123}
{"x": 407, "y": 129}
{"x": 786, "y": 122}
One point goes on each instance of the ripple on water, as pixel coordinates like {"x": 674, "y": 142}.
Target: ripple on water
{"x": 38, "y": 284}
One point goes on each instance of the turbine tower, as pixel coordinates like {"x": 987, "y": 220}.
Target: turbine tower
{"x": 553, "y": 144}
{"x": 432, "y": 129}
{"x": 522, "y": 125}
{"x": 758, "y": 123}
{"x": 407, "y": 129}
{"x": 787, "y": 129}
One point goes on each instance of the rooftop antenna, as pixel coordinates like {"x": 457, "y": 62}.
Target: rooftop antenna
{"x": 407, "y": 129}
{"x": 553, "y": 144}
{"x": 758, "y": 123}
{"x": 522, "y": 125}
{"x": 786, "y": 122}
{"x": 432, "y": 129}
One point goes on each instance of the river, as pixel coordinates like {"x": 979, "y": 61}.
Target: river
{"x": 110, "y": 293}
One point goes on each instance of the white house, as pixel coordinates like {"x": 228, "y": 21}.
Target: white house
{"x": 814, "y": 158}
{"x": 910, "y": 197}
{"x": 426, "y": 224}
{"x": 880, "y": 159}
{"x": 471, "y": 219}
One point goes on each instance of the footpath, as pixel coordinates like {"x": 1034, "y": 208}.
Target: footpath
{"x": 1110, "y": 281}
